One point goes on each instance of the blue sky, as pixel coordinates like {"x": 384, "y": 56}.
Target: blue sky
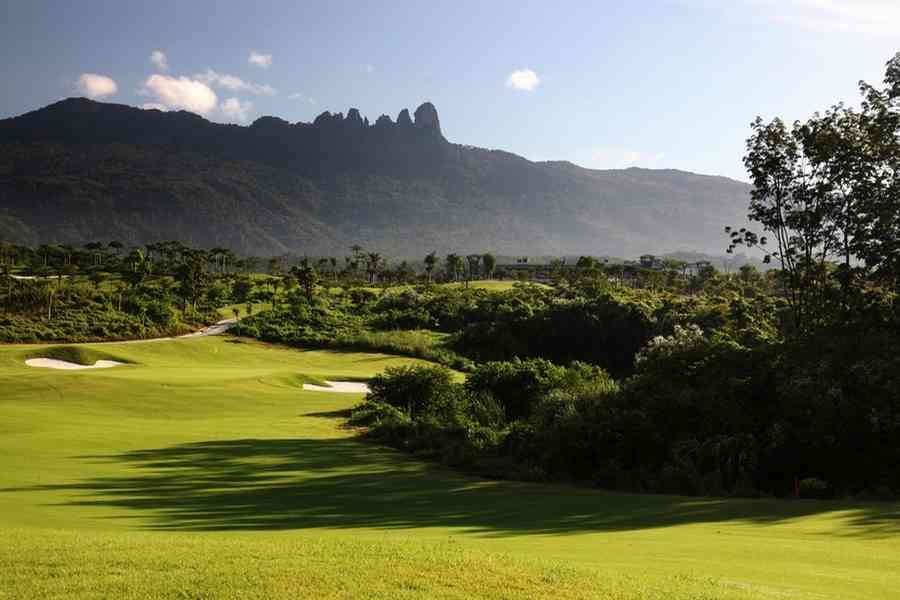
{"x": 654, "y": 83}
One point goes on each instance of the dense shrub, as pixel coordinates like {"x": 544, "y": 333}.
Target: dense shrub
{"x": 517, "y": 385}
{"x": 413, "y": 388}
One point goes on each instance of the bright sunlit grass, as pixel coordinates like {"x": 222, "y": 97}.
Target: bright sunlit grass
{"x": 203, "y": 470}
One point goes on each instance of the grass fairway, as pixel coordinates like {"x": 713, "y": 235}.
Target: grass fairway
{"x": 492, "y": 285}
{"x": 203, "y": 470}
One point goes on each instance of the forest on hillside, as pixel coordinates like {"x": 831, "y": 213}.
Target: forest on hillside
{"x": 80, "y": 170}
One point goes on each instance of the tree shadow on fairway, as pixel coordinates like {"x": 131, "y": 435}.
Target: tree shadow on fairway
{"x": 343, "y": 413}
{"x": 259, "y": 484}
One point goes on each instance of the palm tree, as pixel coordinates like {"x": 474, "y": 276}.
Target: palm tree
{"x": 227, "y": 258}
{"x": 95, "y": 248}
{"x": 374, "y": 263}
{"x": 431, "y": 261}
{"x": 474, "y": 262}
{"x": 307, "y": 277}
{"x": 67, "y": 252}
{"x": 453, "y": 263}
{"x": 140, "y": 267}
{"x": 51, "y": 293}
{"x": 489, "y": 263}
{"x": 356, "y": 258}
{"x": 44, "y": 252}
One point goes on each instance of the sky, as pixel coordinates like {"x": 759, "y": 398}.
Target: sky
{"x": 647, "y": 83}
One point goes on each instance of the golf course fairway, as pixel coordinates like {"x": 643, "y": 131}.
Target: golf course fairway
{"x": 202, "y": 469}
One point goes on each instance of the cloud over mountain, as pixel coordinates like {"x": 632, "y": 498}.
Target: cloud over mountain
{"x": 96, "y": 86}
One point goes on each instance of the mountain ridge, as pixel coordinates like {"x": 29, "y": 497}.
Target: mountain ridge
{"x": 79, "y": 168}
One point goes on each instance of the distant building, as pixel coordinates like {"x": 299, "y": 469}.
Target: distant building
{"x": 697, "y": 267}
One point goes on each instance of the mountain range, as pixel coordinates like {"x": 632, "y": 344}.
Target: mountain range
{"x": 80, "y": 170}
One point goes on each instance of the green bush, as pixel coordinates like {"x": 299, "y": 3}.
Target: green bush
{"x": 413, "y": 388}
{"x": 517, "y": 385}
{"x": 374, "y": 414}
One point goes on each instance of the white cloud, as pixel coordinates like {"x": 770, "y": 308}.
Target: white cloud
{"x": 153, "y": 105}
{"x": 524, "y": 80}
{"x": 872, "y": 17}
{"x": 159, "y": 60}
{"x": 613, "y": 157}
{"x": 180, "y": 93}
{"x": 303, "y": 98}
{"x": 96, "y": 86}
{"x": 234, "y": 83}
{"x": 369, "y": 68}
{"x": 259, "y": 59}
{"x": 234, "y": 109}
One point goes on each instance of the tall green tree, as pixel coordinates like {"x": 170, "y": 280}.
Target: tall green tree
{"x": 489, "y": 263}
{"x": 827, "y": 191}
{"x": 193, "y": 280}
{"x": 453, "y": 263}
{"x": 431, "y": 261}
{"x": 473, "y": 270}
{"x": 307, "y": 278}
{"x": 374, "y": 265}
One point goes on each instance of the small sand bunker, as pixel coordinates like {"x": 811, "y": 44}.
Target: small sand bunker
{"x": 52, "y": 363}
{"x": 343, "y": 387}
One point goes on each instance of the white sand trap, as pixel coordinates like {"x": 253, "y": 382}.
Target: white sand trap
{"x": 342, "y": 387}
{"x": 52, "y": 363}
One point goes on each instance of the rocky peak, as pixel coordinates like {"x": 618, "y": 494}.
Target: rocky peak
{"x": 403, "y": 119}
{"x": 427, "y": 118}
{"x": 323, "y": 118}
{"x": 354, "y": 119}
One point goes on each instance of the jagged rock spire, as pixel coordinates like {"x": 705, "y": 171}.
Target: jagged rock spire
{"x": 427, "y": 118}
{"x": 403, "y": 119}
{"x": 353, "y": 118}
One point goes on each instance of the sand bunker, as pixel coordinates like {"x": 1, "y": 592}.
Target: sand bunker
{"x": 52, "y": 363}
{"x": 343, "y": 387}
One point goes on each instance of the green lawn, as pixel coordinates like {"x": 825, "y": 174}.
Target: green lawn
{"x": 203, "y": 470}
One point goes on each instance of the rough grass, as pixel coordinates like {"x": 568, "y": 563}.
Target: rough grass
{"x": 205, "y": 471}
{"x": 424, "y": 344}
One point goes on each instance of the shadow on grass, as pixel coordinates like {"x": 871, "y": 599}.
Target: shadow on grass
{"x": 343, "y": 413}
{"x": 256, "y": 484}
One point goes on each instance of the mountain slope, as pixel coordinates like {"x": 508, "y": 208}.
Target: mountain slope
{"x": 80, "y": 170}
